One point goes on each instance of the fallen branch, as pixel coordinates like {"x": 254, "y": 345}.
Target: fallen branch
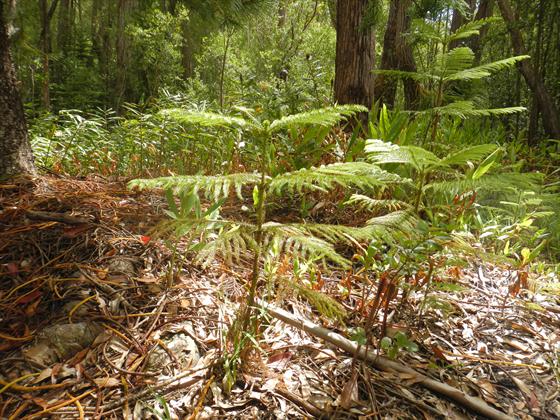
{"x": 55, "y": 217}
{"x": 472, "y": 403}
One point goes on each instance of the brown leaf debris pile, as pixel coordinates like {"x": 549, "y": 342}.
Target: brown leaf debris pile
{"x": 98, "y": 320}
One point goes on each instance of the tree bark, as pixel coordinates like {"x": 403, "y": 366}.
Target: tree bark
{"x": 15, "y": 152}
{"x": 355, "y": 55}
{"x": 46, "y": 12}
{"x": 459, "y": 20}
{"x": 397, "y": 55}
{"x": 550, "y": 117}
{"x": 123, "y": 9}
{"x": 64, "y": 35}
{"x": 484, "y": 11}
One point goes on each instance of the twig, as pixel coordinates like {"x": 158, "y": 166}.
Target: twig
{"x": 472, "y": 403}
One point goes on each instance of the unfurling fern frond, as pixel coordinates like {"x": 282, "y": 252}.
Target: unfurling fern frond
{"x": 326, "y": 117}
{"x": 352, "y": 174}
{"x": 371, "y": 204}
{"x": 214, "y": 187}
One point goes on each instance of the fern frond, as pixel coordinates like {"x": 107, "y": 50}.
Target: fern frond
{"x": 371, "y": 204}
{"x": 458, "y": 59}
{"x": 351, "y": 174}
{"x": 485, "y": 70}
{"x": 381, "y": 152}
{"x": 466, "y": 109}
{"x": 390, "y": 225}
{"x": 204, "y": 119}
{"x": 419, "y": 77}
{"x": 326, "y": 117}
{"x": 493, "y": 182}
{"x": 293, "y": 239}
{"x": 214, "y": 187}
{"x": 324, "y": 304}
{"x": 231, "y": 243}
{"x": 470, "y": 154}
{"x": 469, "y": 29}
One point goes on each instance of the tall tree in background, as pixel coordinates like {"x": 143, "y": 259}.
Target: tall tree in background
{"x": 545, "y": 102}
{"x": 355, "y": 54}
{"x": 397, "y": 55}
{"x": 15, "y": 152}
{"x": 47, "y": 13}
{"x": 124, "y": 8}
{"x": 484, "y": 10}
{"x": 460, "y": 17}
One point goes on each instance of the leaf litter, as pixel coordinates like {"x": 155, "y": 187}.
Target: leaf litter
{"x": 90, "y": 330}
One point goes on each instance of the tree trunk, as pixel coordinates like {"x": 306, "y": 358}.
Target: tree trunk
{"x": 355, "y": 55}
{"x": 459, "y": 20}
{"x": 15, "y": 152}
{"x": 64, "y": 36}
{"x": 550, "y": 117}
{"x": 397, "y": 55}
{"x": 187, "y": 50}
{"x": 123, "y": 7}
{"x": 484, "y": 11}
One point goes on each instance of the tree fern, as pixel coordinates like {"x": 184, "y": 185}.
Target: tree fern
{"x": 234, "y": 239}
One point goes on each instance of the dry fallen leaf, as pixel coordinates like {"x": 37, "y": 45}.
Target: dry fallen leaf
{"x": 107, "y": 382}
{"x": 349, "y": 393}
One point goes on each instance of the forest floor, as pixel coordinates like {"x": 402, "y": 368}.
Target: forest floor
{"x": 94, "y": 324}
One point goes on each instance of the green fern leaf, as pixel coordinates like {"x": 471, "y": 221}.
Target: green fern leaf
{"x": 470, "y": 154}
{"x": 485, "y": 70}
{"x": 467, "y": 109}
{"x": 204, "y": 119}
{"x": 380, "y": 152}
{"x": 371, "y": 204}
{"x": 326, "y": 117}
{"x": 352, "y": 174}
{"x": 214, "y": 187}
{"x": 470, "y": 29}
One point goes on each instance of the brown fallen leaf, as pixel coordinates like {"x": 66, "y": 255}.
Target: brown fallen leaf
{"x": 349, "y": 394}
{"x": 107, "y": 382}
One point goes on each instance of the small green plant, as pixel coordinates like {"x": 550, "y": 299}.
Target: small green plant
{"x": 255, "y": 234}
{"x": 400, "y": 342}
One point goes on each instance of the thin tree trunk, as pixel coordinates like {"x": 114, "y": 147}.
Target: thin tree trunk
{"x": 397, "y": 55}
{"x": 45, "y": 42}
{"x": 550, "y": 117}
{"x": 187, "y": 51}
{"x": 355, "y": 55}
{"x": 123, "y": 7}
{"x": 63, "y": 36}
{"x": 15, "y": 152}
{"x": 485, "y": 10}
